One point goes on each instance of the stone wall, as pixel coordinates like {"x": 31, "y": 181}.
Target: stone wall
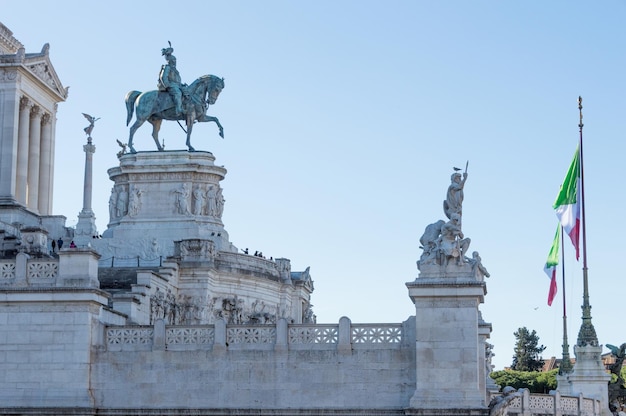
{"x": 45, "y": 346}
{"x": 263, "y": 367}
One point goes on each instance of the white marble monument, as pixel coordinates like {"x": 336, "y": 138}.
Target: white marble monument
{"x": 448, "y": 291}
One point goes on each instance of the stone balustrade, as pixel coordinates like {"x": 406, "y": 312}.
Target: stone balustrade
{"x": 28, "y": 272}
{"x": 345, "y": 335}
{"x": 526, "y": 404}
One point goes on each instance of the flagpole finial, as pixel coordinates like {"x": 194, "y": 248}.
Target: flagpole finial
{"x": 580, "y": 111}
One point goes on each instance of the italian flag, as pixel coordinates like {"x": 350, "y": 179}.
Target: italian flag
{"x": 551, "y": 263}
{"x": 567, "y": 204}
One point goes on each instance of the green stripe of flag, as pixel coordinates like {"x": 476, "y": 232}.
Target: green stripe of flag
{"x": 567, "y": 194}
{"x": 553, "y": 256}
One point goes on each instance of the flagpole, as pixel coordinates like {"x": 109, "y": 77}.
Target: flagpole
{"x": 566, "y": 363}
{"x": 587, "y": 333}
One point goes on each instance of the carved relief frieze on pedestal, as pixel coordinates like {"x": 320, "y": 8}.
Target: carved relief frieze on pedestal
{"x": 195, "y": 250}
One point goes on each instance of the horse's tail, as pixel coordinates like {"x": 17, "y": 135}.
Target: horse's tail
{"x": 130, "y": 104}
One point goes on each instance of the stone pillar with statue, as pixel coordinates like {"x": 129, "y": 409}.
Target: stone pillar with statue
{"x": 451, "y": 335}
{"x": 86, "y": 229}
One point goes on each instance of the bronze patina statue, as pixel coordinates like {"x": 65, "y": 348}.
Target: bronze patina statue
{"x": 173, "y": 101}
{"x": 617, "y": 392}
{"x": 170, "y": 80}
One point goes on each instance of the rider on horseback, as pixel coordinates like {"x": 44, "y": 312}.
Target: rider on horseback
{"x": 170, "y": 80}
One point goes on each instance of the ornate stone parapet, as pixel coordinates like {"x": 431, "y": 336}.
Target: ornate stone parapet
{"x": 343, "y": 337}
{"x": 523, "y": 402}
{"x": 258, "y": 265}
{"x": 25, "y": 271}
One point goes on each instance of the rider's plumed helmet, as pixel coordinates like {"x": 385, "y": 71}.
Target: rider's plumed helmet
{"x": 167, "y": 51}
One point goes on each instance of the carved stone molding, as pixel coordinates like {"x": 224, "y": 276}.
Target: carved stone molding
{"x": 8, "y": 43}
{"x": 8, "y": 75}
{"x": 447, "y": 303}
{"x": 196, "y": 177}
{"x": 196, "y": 249}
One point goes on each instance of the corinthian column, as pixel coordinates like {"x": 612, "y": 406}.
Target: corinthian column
{"x": 22, "y": 150}
{"x": 86, "y": 226}
{"x": 45, "y": 165}
{"x": 89, "y": 149}
{"x": 33, "y": 158}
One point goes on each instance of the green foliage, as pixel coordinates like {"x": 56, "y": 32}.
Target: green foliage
{"x": 535, "y": 381}
{"x": 527, "y": 351}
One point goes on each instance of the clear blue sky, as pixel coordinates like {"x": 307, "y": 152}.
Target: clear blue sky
{"x": 343, "y": 121}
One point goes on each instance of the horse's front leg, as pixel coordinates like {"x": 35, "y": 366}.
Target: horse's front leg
{"x": 156, "y": 126}
{"x": 189, "y": 128}
{"x": 206, "y": 118}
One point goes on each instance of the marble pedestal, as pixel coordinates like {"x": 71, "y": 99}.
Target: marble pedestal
{"x": 162, "y": 197}
{"x": 588, "y": 377}
{"x": 450, "y": 360}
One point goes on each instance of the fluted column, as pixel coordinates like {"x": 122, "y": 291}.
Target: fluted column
{"x": 89, "y": 149}
{"x": 22, "y": 150}
{"x": 45, "y": 165}
{"x": 33, "y": 158}
{"x": 53, "y": 126}
{"x": 86, "y": 226}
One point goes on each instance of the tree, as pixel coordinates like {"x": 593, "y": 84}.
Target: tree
{"x": 527, "y": 351}
{"x": 535, "y": 381}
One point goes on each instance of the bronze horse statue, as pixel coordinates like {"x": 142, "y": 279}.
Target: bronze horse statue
{"x": 156, "y": 106}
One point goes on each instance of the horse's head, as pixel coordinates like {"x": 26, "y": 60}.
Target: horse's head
{"x": 208, "y": 86}
{"x": 216, "y": 86}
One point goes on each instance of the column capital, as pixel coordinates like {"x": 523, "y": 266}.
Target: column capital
{"x": 89, "y": 148}
{"x": 35, "y": 111}
{"x": 46, "y": 118}
{"x": 24, "y": 102}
